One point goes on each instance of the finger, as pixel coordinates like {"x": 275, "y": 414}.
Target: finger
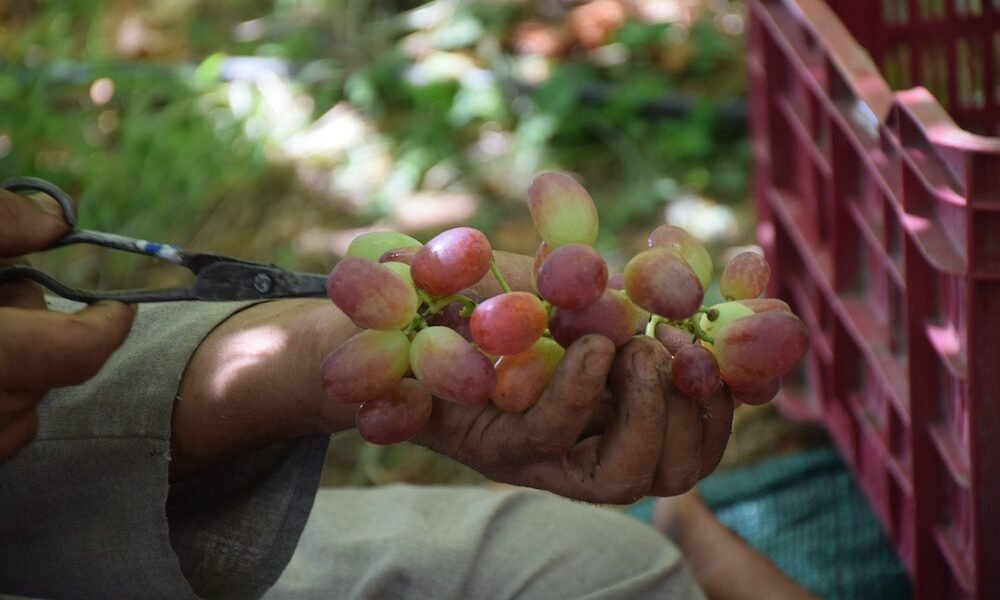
{"x": 20, "y": 293}
{"x": 41, "y": 350}
{"x": 680, "y": 465}
{"x": 17, "y": 434}
{"x": 716, "y": 426}
{"x": 617, "y": 467}
{"x": 555, "y": 422}
{"x": 14, "y": 404}
{"x": 25, "y": 226}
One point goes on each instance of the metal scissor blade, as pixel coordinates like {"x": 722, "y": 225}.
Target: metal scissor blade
{"x": 238, "y": 280}
{"x": 70, "y": 293}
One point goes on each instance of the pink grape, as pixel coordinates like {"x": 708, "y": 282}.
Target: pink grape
{"x": 612, "y": 316}
{"x": 673, "y": 338}
{"x": 762, "y": 305}
{"x": 745, "y": 276}
{"x": 616, "y": 282}
{"x": 523, "y": 377}
{"x": 367, "y": 365}
{"x": 397, "y": 415}
{"x": 759, "y": 393}
{"x": 371, "y": 294}
{"x": 374, "y": 244}
{"x": 508, "y": 323}
{"x": 562, "y": 211}
{"x": 760, "y": 347}
{"x": 573, "y": 276}
{"x": 660, "y": 281}
{"x": 452, "y": 260}
{"x": 664, "y": 235}
{"x": 695, "y": 371}
{"x": 451, "y": 368}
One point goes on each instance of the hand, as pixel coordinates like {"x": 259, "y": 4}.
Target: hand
{"x": 646, "y": 438}
{"x": 42, "y": 350}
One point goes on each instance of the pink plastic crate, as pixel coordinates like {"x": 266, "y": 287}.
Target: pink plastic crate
{"x": 881, "y": 219}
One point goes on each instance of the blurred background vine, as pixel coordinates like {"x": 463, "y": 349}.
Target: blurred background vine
{"x": 276, "y": 130}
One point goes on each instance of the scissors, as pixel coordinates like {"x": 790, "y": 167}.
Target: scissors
{"x": 217, "y": 278}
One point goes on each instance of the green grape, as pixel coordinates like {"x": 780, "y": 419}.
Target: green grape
{"x": 728, "y": 312}
{"x": 562, "y": 210}
{"x": 374, "y": 244}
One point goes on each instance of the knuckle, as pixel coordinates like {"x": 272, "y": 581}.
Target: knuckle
{"x": 548, "y": 442}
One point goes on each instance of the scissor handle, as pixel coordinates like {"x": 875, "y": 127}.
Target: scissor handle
{"x": 34, "y": 184}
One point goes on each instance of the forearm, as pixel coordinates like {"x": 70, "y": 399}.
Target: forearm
{"x": 255, "y": 380}
{"x": 726, "y": 567}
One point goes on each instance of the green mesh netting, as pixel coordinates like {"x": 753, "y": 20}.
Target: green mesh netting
{"x": 805, "y": 513}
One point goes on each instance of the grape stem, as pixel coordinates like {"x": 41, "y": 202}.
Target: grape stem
{"x": 695, "y": 323}
{"x": 499, "y": 276}
{"x": 711, "y": 313}
{"x": 654, "y": 320}
{"x": 415, "y": 325}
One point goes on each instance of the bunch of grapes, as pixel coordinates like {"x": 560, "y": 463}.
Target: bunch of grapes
{"x": 428, "y": 333}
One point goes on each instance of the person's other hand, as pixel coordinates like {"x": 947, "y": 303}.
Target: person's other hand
{"x": 579, "y": 441}
{"x": 42, "y": 350}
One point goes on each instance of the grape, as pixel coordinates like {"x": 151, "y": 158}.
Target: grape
{"x": 374, "y": 244}
{"x": 761, "y": 305}
{"x": 745, "y": 276}
{"x": 660, "y": 281}
{"x": 573, "y": 276}
{"x": 450, "y": 316}
{"x": 540, "y": 255}
{"x": 452, "y": 260}
{"x": 616, "y": 282}
{"x": 508, "y": 323}
{"x": 371, "y": 294}
{"x": 727, "y": 312}
{"x": 695, "y": 371}
{"x": 612, "y": 316}
{"x": 451, "y": 367}
{"x": 690, "y": 249}
{"x": 367, "y": 365}
{"x": 522, "y": 377}
{"x": 760, "y": 347}
{"x": 664, "y": 235}
{"x": 400, "y": 255}
{"x": 397, "y": 415}
{"x": 673, "y": 338}
{"x": 758, "y": 393}
{"x": 563, "y": 212}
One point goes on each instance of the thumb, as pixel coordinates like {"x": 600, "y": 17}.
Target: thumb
{"x": 25, "y": 226}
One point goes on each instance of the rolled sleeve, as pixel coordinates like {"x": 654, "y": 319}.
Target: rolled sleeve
{"x": 86, "y": 510}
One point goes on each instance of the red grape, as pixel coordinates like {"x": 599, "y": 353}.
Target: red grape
{"x": 757, "y": 393}
{"x": 367, "y": 365}
{"x": 660, "y": 281}
{"x": 745, "y": 276}
{"x": 450, "y": 367}
{"x": 760, "y": 347}
{"x": 450, "y": 316}
{"x": 522, "y": 377}
{"x": 371, "y": 294}
{"x": 573, "y": 276}
{"x": 397, "y": 415}
{"x": 695, "y": 371}
{"x": 673, "y": 338}
{"x": 452, "y": 260}
{"x": 508, "y": 323}
{"x": 563, "y": 212}
{"x": 612, "y": 316}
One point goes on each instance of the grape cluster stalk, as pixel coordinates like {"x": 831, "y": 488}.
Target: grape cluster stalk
{"x": 427, "y": 333}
